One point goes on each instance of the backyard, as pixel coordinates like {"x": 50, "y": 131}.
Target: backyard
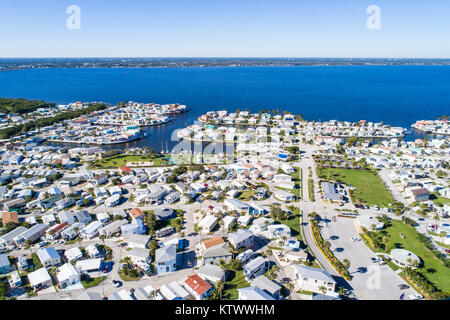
{"x": 370, "y": 188}
{"x": 237, "y": 281}
{"x": 436, "y": 198}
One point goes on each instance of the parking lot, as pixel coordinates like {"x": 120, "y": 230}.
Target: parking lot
{"x": 371, "y": 280}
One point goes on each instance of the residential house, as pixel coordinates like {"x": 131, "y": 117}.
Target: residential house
{"x": 89, "y": 265}
{"x": 73, "y": 254}
{"x": 93, "y": 251}
{"x": 112, "y": 201}
{"x": 214, "y": 253}
{"x": 139, "y": 254}
{"x": 83, "y": 216}
{"x": 278, "y": 231}
{"x": 284, "y": 195}
{"x": 255, "y": 267}
{"x": 112, "y": 228}
{"x": 9, "y": 217}
{"x": 165, "y": 214}
{"x": 5, "y": 265}
{"x": 173, "y": 291}
{"x": 49, "y": 257}
{"x": 198, "y": 287}
{"x": 91, "y": 230}
{"x": 313, "y": 279}
{"x": 67, "y": 217}
{"x": 40, "y": 279}
{"x": 136, "y": 240}
{"x": 67, "y": 275}
{"x": 211, "y": 273}
{"x": 253, "y": 293}
{"x": 137, "y": 213}
{"x": 268, "y": 286}
{"x": 166, "y": 259}
{"x": 208, "y": 223}
{"x": 32, "y": 234}
{"x": 234, "y": 204}
{"x": 241, "y": 238}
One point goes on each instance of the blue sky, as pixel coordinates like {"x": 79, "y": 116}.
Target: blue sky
{"x": 226, "y": 28}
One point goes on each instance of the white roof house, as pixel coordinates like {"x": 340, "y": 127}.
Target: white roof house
{"x": 88, "y": 265}
{"x": 149, "y": 289}
{"x": 67, "y": 275}
{"x": 91, "y": 230}
{"x": 211, "y": 272}
{"x": 136, "y": 240}
{"x": 227, "y": 221}
{"x": 208, "y": 223}
{"x": 39, "y": 277}
{"x": 73, "y": 254}
{"x": 253, "y": 293}
{"x": 174, "y": 291}
{"x": 244, "y": 220}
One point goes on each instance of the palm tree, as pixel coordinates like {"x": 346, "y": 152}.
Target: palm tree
{"x": 323, "y": 290}
{"x": 152, "y": 294}
{"x": 102, "y": 237}
{"x": 346, "y": 263}
{"x": 220, "y": 285}
{"x": 222, "y": 264}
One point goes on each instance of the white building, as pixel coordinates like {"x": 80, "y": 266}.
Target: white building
{"x": 312, "y": 279}
{"x": 208, "y": 223}
{"x": 67, "y": 275}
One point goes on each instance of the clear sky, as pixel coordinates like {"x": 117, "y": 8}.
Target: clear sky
{"x": 225, "y": 28}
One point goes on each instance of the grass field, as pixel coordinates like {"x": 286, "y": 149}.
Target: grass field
{"x": 122, "y": 160}
{"x": 433, "y": 268}
{"x": 436, "y": 198}
{"x": 237, "y": 281}
{"x": 369, "y": 187}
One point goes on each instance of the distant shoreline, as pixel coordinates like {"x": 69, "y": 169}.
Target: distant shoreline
{"x": 12, "y": 64}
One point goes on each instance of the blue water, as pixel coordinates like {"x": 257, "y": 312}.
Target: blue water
{"x": 396, "y": 95}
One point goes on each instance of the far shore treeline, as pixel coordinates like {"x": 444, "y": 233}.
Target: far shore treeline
{"x": 22, "y": 104}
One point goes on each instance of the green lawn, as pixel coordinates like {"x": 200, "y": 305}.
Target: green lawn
{"x": 294, "y": 224}
{"x": 122, "y": 160}
{"x": 236, "y": 281}
{"x": 436, "y": 198}
{"x": 92, "y": 282}
{"x": 246, "y": 195}
{"x": 432, "y": 267}
{"x": 369, "y": 187}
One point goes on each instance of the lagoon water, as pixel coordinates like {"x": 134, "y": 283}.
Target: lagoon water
{"x": 396, "y": 95}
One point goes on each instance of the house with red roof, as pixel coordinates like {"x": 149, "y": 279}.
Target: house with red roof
{"x": 198, "y": 287}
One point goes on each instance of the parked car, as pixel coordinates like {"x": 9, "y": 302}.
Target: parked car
{"x": 415, "y": 296}
{"x": 43, "y": 244}
{"x": 354, "y": 239}
{"x": 402, "y": 296}
{"x": 116, "y": 283}
{"x": 403, "y": 286}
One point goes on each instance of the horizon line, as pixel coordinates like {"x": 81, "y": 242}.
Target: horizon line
{"x": 237, "y": 57}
